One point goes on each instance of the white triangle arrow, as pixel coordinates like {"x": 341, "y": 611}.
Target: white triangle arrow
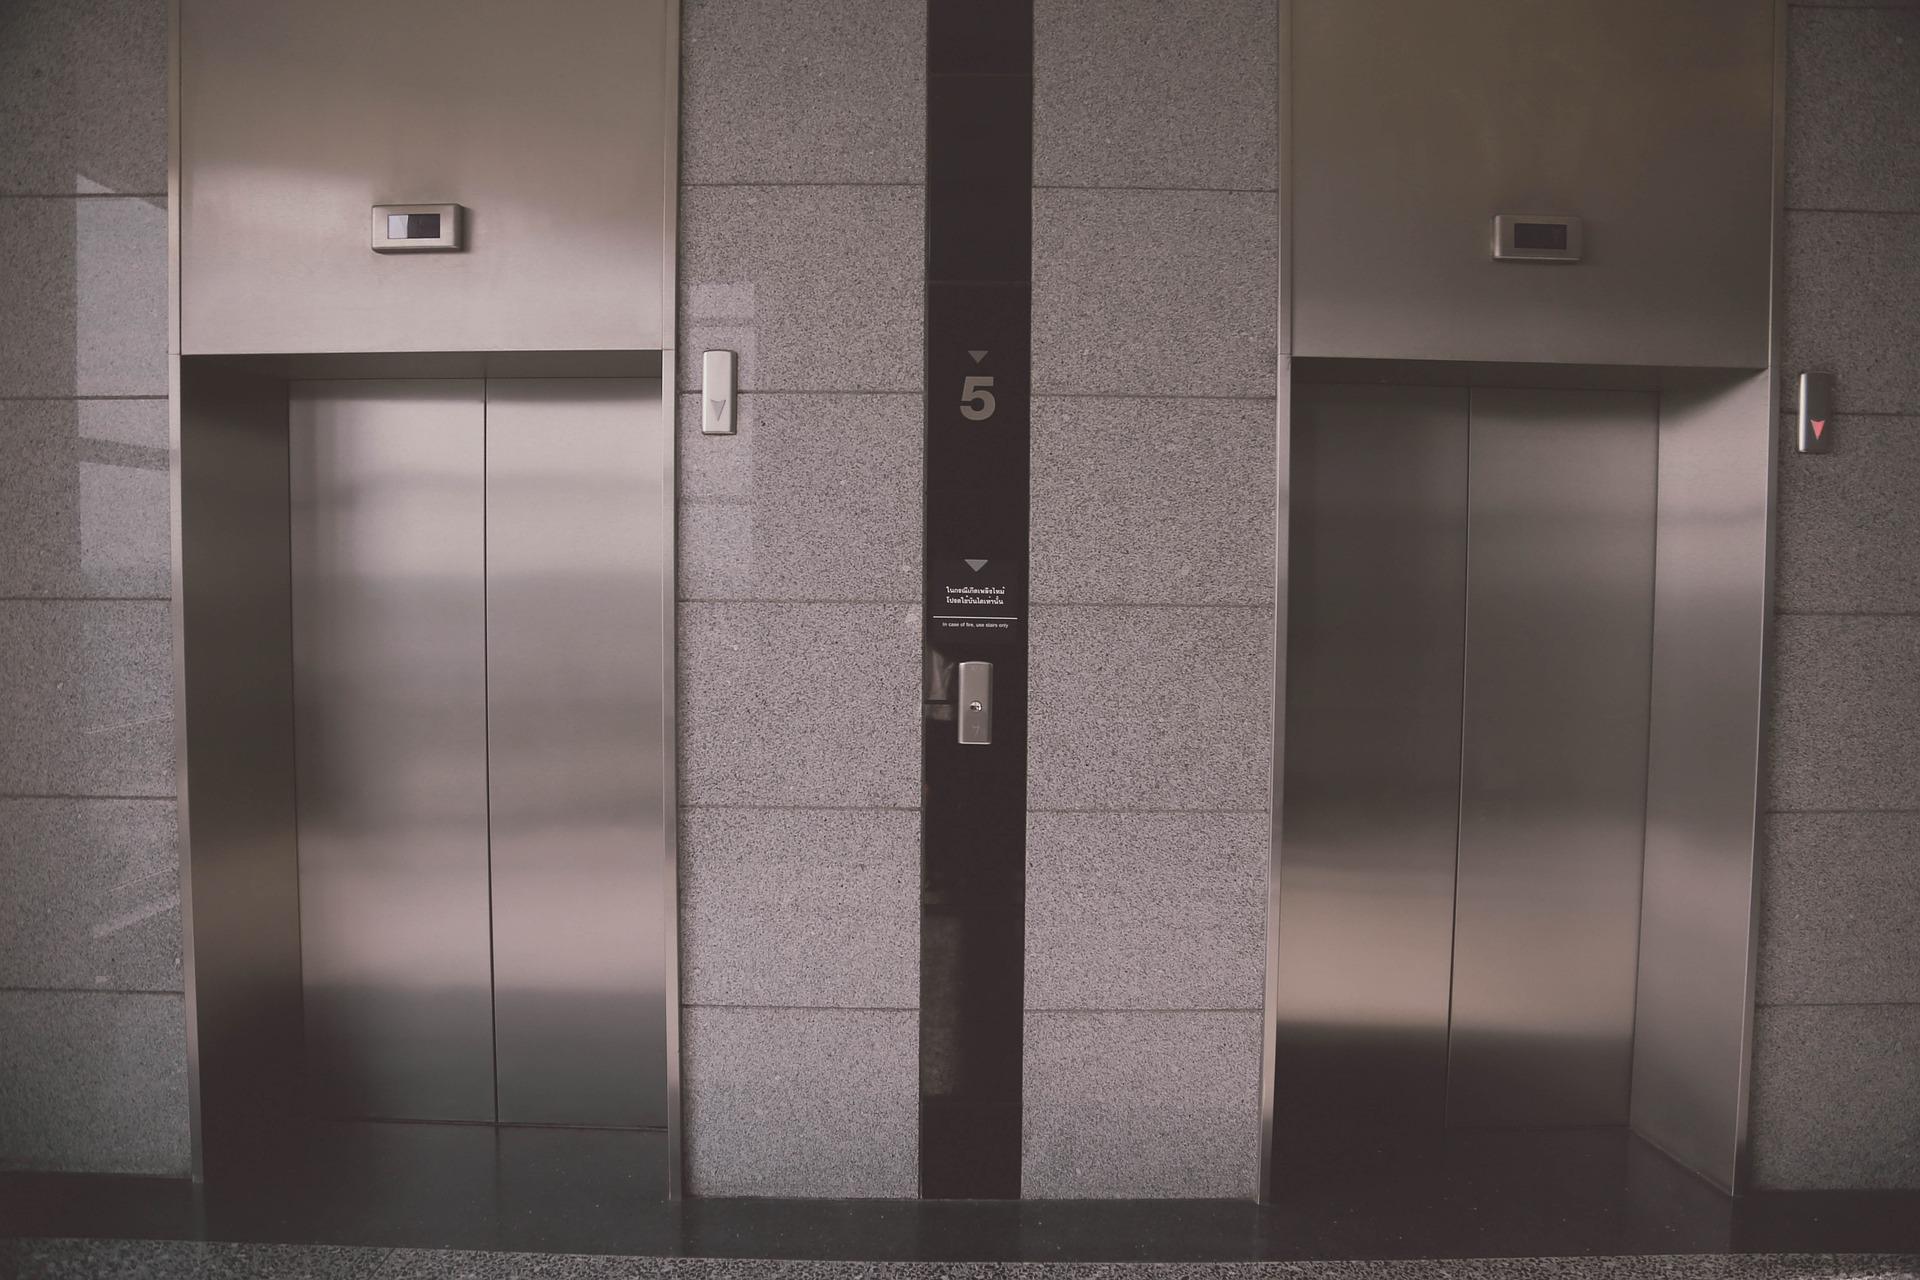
{"x": 719, "y": 407}
{"x": 976, "y": 565}
{"x": 978, "y": 356}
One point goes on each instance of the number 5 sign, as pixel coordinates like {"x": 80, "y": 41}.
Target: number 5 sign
{"x": 976, "y": 397}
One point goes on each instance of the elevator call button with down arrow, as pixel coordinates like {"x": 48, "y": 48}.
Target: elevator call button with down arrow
{"x": 1816, "y": 408}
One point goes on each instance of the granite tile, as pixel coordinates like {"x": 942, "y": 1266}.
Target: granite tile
{"x": 816, "y": 288}
{"x": 800, "y": 705}
{"x": 816, "y": 1103}
{"x": 1842, "y": 735}
{"x": 1141, "y": 1105}
{"x": 466, "y": 1264}
{"x": 190, "y": 1260}
{"x": 1155, "y": 293}
{"x": 1853, "y": 109}
{"x": 89, "y": 709}
{"x": 1147, "y": 910}
{"x": 1139, "y": 93}
{"x": 1848, "y": 524}
{"x": 1152, "y": 501}
{"x": 818, "y": 497}
{"x": 89, "y": 895}
{"x": 83, "y": 498}
{"x": 831, "y": 91}
{"x": 83, "y": 297}
{"x": 83, "y": 89}
{"x": 1848, "y": 306}
{"x": 817, "y": 908}
{"x": 1836, "y": 1097}
{"x": 1150, "y": 708}
{"x": 93, "y": 1082}
{"x": 1837, "y": 901}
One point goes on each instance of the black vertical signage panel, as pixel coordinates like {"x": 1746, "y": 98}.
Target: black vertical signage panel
{"x": 978, "y": 365}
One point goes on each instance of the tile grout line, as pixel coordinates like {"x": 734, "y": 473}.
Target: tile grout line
{"x": 61, "y": 795}
{"x": 160, "y": 398}
{"x": 1837, "y": 1004}
{"x": 805, "y": 1008}
{"x": 1848, "y": 813}
{"x": 176, "y": 993}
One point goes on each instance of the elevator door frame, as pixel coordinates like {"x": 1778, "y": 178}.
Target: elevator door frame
{"x": 1693, "y": 999}
{"x": 234, "y": 726}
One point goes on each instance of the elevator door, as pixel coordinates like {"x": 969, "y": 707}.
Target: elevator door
{"x": 1469, "y": 631}
{"x": 480, "y": 747}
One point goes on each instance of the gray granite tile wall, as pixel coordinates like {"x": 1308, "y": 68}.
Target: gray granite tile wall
{"x": 1155, "y": 367}
{"x": 1835, "y": 1101}
{"x": 92, "y": 1028}
{"x": 801, "y": 211}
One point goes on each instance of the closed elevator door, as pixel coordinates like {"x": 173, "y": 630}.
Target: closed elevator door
{"x": 1469, "y": 636}
{"x": 479, "y": 736}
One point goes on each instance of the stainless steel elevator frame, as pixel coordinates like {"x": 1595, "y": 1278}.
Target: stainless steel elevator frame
{"x": 231, "y": 551}
{"x": 1718, "y": 409}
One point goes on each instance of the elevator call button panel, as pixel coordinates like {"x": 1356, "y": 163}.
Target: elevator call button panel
{"x": 1816, "y": 413}
{"x": 418, "y": 228}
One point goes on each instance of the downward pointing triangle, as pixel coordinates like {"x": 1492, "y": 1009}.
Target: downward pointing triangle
{"x": 976, "y": 565}
{"x": 978, "y": 356}
{"x": 719, "y": 407}
{"x": 1819, "y": 426}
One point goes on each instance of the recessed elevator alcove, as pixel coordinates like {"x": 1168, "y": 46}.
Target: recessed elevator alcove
{"x": 424, "y": 594}
{"x": 1527, "y": 480}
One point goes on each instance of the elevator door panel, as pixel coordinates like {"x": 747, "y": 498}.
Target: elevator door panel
{"x": 576, "y": 586}
{"x": 1376, "y": 615}
{"x": 390, "y": 738}
{"x": 1554, "y": 743}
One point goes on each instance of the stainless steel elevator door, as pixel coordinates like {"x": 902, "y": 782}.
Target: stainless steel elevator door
{"x": 1376, "y": 615}
{"x": 577, "y": 576}
{"x": 390, "y": 743}
{"x": 1554, "y": 755}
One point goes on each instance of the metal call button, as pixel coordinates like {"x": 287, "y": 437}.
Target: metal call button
{"x": 717, "y": 393}
{"x": 976, "y": 703}
{"x": 1816, "y": 413}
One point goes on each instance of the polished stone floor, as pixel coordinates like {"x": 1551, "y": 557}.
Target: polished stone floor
{"x": 187, "y": 1260}
{"x": 436, "y": 1200}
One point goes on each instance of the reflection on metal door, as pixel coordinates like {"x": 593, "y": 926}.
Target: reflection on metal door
{"x": 1469, "y": 637}
{"x": 576, "y": 729}
{"x": 480, "y": 736}
{"x": 1554, "y": 756}
{"x": 390, "y": 746}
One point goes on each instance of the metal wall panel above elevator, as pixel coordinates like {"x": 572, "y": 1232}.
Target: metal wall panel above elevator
{"x": 1415, "y": 124}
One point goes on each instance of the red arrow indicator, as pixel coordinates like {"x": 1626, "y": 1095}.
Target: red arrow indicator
{"x": 1819, "y": 425}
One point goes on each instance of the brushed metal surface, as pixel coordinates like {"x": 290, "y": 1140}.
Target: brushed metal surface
{"x": 552, "y": 124}
{"x": 717, "y": 393}
{"x": 1414, "y": 124}
{"x": 974, "y": 703}
{"x": 1712, "y": 604}
{"x": 1376, "y": 614}
{"x": 576, "y": 579}
{"x": 390, "y": 730}
{"x": 1553, "y": 756}
{"x": 233, "y": 724}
